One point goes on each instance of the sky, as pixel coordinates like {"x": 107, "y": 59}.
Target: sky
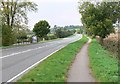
{"x": 56, "y": 12}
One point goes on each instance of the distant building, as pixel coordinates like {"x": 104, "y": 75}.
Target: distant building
{"x": 34, "y": 39}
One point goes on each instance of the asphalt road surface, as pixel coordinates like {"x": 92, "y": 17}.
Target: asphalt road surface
{"x": 17, "y": 60}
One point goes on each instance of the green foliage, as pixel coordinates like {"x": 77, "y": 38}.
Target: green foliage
{"x": 104, "y": 65}
{"x": 6, "y": 35}
{"x": 0, "y": 33}
{"x": 61, "y": 32}
{"x": 50, "y": 37}
{"x": 113, "y": 10}
{"x": 79, "y": 31}
{"x": 0, "y": 41}
{"x": 72, "y": 27}
{"x": 41, "y": 28}
{"x": 21, "y": 36}
{"x": 15, "y": 12}
{"x": 13, "y": 38}
{"x": 98, "y": 19}
{"x": 55, "y": 68}
{"x": 14, "y": 15}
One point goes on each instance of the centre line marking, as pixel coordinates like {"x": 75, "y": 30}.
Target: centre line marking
{"x": 22, "y": 52}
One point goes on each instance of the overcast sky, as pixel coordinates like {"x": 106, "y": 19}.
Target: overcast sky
{"x": 56, "y": 12}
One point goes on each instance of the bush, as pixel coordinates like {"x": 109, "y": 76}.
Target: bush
{"x": 111, "y": 43}
{"x": 51, "y": 36}
{"x": 6, "y": 36}
{"x": 30, "y": 39}
{"x": 0, "y": 41}
{"x": 61, "y": 33}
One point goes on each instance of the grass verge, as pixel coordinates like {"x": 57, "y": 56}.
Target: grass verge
{"x": 55, "y": 68}
{"x": 104, "y": 66}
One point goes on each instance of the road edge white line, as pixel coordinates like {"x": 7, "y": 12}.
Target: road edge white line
{"x": 10, "y": 80}
{"x": 13, "y": 54}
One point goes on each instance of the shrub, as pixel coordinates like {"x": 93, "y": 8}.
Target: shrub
{"x": 111, "y": 44}
{"x": 6, "y": 35}
{"x": 61, "y": 33}
{"x": 50, "y": 37}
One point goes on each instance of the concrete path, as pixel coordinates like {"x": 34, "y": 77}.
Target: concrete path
{"x": 79, "y": 70}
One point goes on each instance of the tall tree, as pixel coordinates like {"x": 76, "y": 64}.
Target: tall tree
{"x": 96, "y": 19}
{"x": 15, "y": 11}
{"x": 112, "y": 9}
{"x": 41, "y": 28}
{"x": 14, "y": 15}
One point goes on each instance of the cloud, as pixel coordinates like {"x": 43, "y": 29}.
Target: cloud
{"x": 53, "y": 1}
{"x": 56, "y": 12}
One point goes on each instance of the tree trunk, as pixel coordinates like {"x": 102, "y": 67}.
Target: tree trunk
{"x": 13, "y": 12}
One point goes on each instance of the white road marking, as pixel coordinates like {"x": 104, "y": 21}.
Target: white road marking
{"x": 13, "y": 54}
{"x": 10, "y": 80}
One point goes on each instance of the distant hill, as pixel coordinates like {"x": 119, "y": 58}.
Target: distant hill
{"x": 72, "y": 27}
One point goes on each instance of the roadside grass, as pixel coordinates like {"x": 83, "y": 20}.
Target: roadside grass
{"x": 55, "y": 67}
{"x": 104, "y": 66}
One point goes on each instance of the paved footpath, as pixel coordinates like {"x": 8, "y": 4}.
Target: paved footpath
{"x": 79, "y": 70}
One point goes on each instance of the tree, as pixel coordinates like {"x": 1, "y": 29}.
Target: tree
{"x": 6, "y": 36}
{"x": 59, "y": 33}
{"x": 113, "y": 9}
{"x": 14, "y": 13}
{"x": 21, "y": 36}
{"x": 96, "y": 20}
{"x": 62, "y": 32}
{"x": 41, "y": 28}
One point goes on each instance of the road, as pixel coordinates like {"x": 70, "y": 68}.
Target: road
{"x": 17, "y": 60}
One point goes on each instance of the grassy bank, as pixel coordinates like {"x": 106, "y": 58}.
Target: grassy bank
{"x": 55, "y": 68}
{"x": 104, "y": 66}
